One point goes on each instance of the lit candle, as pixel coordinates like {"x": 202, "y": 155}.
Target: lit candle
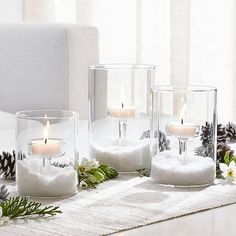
{"x": 123, "y": 111}
{"x": 182, "y": 129}
{"x": 47, "y": 147}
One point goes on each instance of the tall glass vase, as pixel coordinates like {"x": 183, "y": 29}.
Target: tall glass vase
{"x": 120, "y": 112}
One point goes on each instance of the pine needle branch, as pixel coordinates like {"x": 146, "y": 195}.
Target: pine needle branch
{"x": 144, "y": 172}
{"x": 20, "y": 207}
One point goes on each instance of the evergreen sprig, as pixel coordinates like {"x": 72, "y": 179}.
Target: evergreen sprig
{"x": 20, "y": 207}
{"x": 144, "y": 172}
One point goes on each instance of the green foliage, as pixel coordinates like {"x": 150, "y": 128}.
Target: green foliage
{"x": 218, "y": 171}
{"x": 20, "y": 207}
{"x": 144, "y": 172}
{"x": 228, "y": 158}
{"x": 89, "y": 178}
{"x": 109, "y": 171}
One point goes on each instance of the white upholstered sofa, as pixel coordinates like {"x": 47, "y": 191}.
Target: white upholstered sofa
{"x": 45, "y": 66}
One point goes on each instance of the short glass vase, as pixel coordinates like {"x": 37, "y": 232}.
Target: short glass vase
{"x": 184, "y": 135}
{"x": 47, "y": 147}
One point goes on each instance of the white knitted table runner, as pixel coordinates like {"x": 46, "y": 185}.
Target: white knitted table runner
{"x": 120, "y": 204}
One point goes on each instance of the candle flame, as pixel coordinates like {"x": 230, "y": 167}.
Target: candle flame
{"x": 122, "y": 95}
{"x": 48, "y": 124}
{"x": 182, "y": 113}
{"x": 46, "y": 132}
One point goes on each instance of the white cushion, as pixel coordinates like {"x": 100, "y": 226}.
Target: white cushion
{"x": 45, "y": 66}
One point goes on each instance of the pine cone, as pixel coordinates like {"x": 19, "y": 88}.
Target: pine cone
{"x": 206, "y": 134}
{"x": 3, "y": 193}
{"x": 206, "y": 149}
{"x": 199, "y": 151}
{"x": 21, "y": 155}
{"x": 163, "y": 141}
{"x": 207, "y": 141}
{"x": 7, "y": 165}
{"x": 146, "y": 134}
{"x": 231, "y": 132}
{"x": 221, "y": 134}
{"x": 222, "y": 148}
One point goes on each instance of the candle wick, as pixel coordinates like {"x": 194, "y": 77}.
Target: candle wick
{"x": 122, "y": 105}
{"x": 182, "y": 121}
{"x": 45, "y": 140}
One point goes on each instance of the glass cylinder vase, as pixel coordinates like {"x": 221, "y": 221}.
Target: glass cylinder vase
{"x": 184, "y": 135}
{"x": 47, "y": 147}
{"x": 120, "y": 112}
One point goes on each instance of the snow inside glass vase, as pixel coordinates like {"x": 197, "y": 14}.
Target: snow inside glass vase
{"x": 181, "y": 114}
{"x": 47, "y": 147}
{"x": 120, "y": 111}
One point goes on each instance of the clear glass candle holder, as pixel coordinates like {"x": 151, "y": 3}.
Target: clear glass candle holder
{"x": 120, "y": 112}
{"x": 47, "y": 147}
{"x": 183, "y": 131}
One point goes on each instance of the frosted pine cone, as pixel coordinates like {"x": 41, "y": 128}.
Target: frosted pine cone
{"x": 146, "y": 134}
{"x": 222, "y": 148}
{"x": 3, "y": 193}
{"x": 7, "y": 165}
{"x": 206, "y": 134}
{"x": 221, "y": 134}
{"x": 163, "y": 141}
{"x": 231, "y": 132}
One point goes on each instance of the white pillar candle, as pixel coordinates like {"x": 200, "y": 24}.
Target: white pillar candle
{"x": 171, "y": 169}
{"x": 123, "y": 111}
{"x": 182, "y": 129}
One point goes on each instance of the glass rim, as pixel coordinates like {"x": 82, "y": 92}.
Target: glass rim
{"x": 32, "y": 114}
{"x": 187, "y": 88}
{"x": 123, "y": 66}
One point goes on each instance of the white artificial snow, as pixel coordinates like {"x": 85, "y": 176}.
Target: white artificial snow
{"x": 125, "y": 155}
{"x": 32, "y": 179}
{"x": 173, "y": 169}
